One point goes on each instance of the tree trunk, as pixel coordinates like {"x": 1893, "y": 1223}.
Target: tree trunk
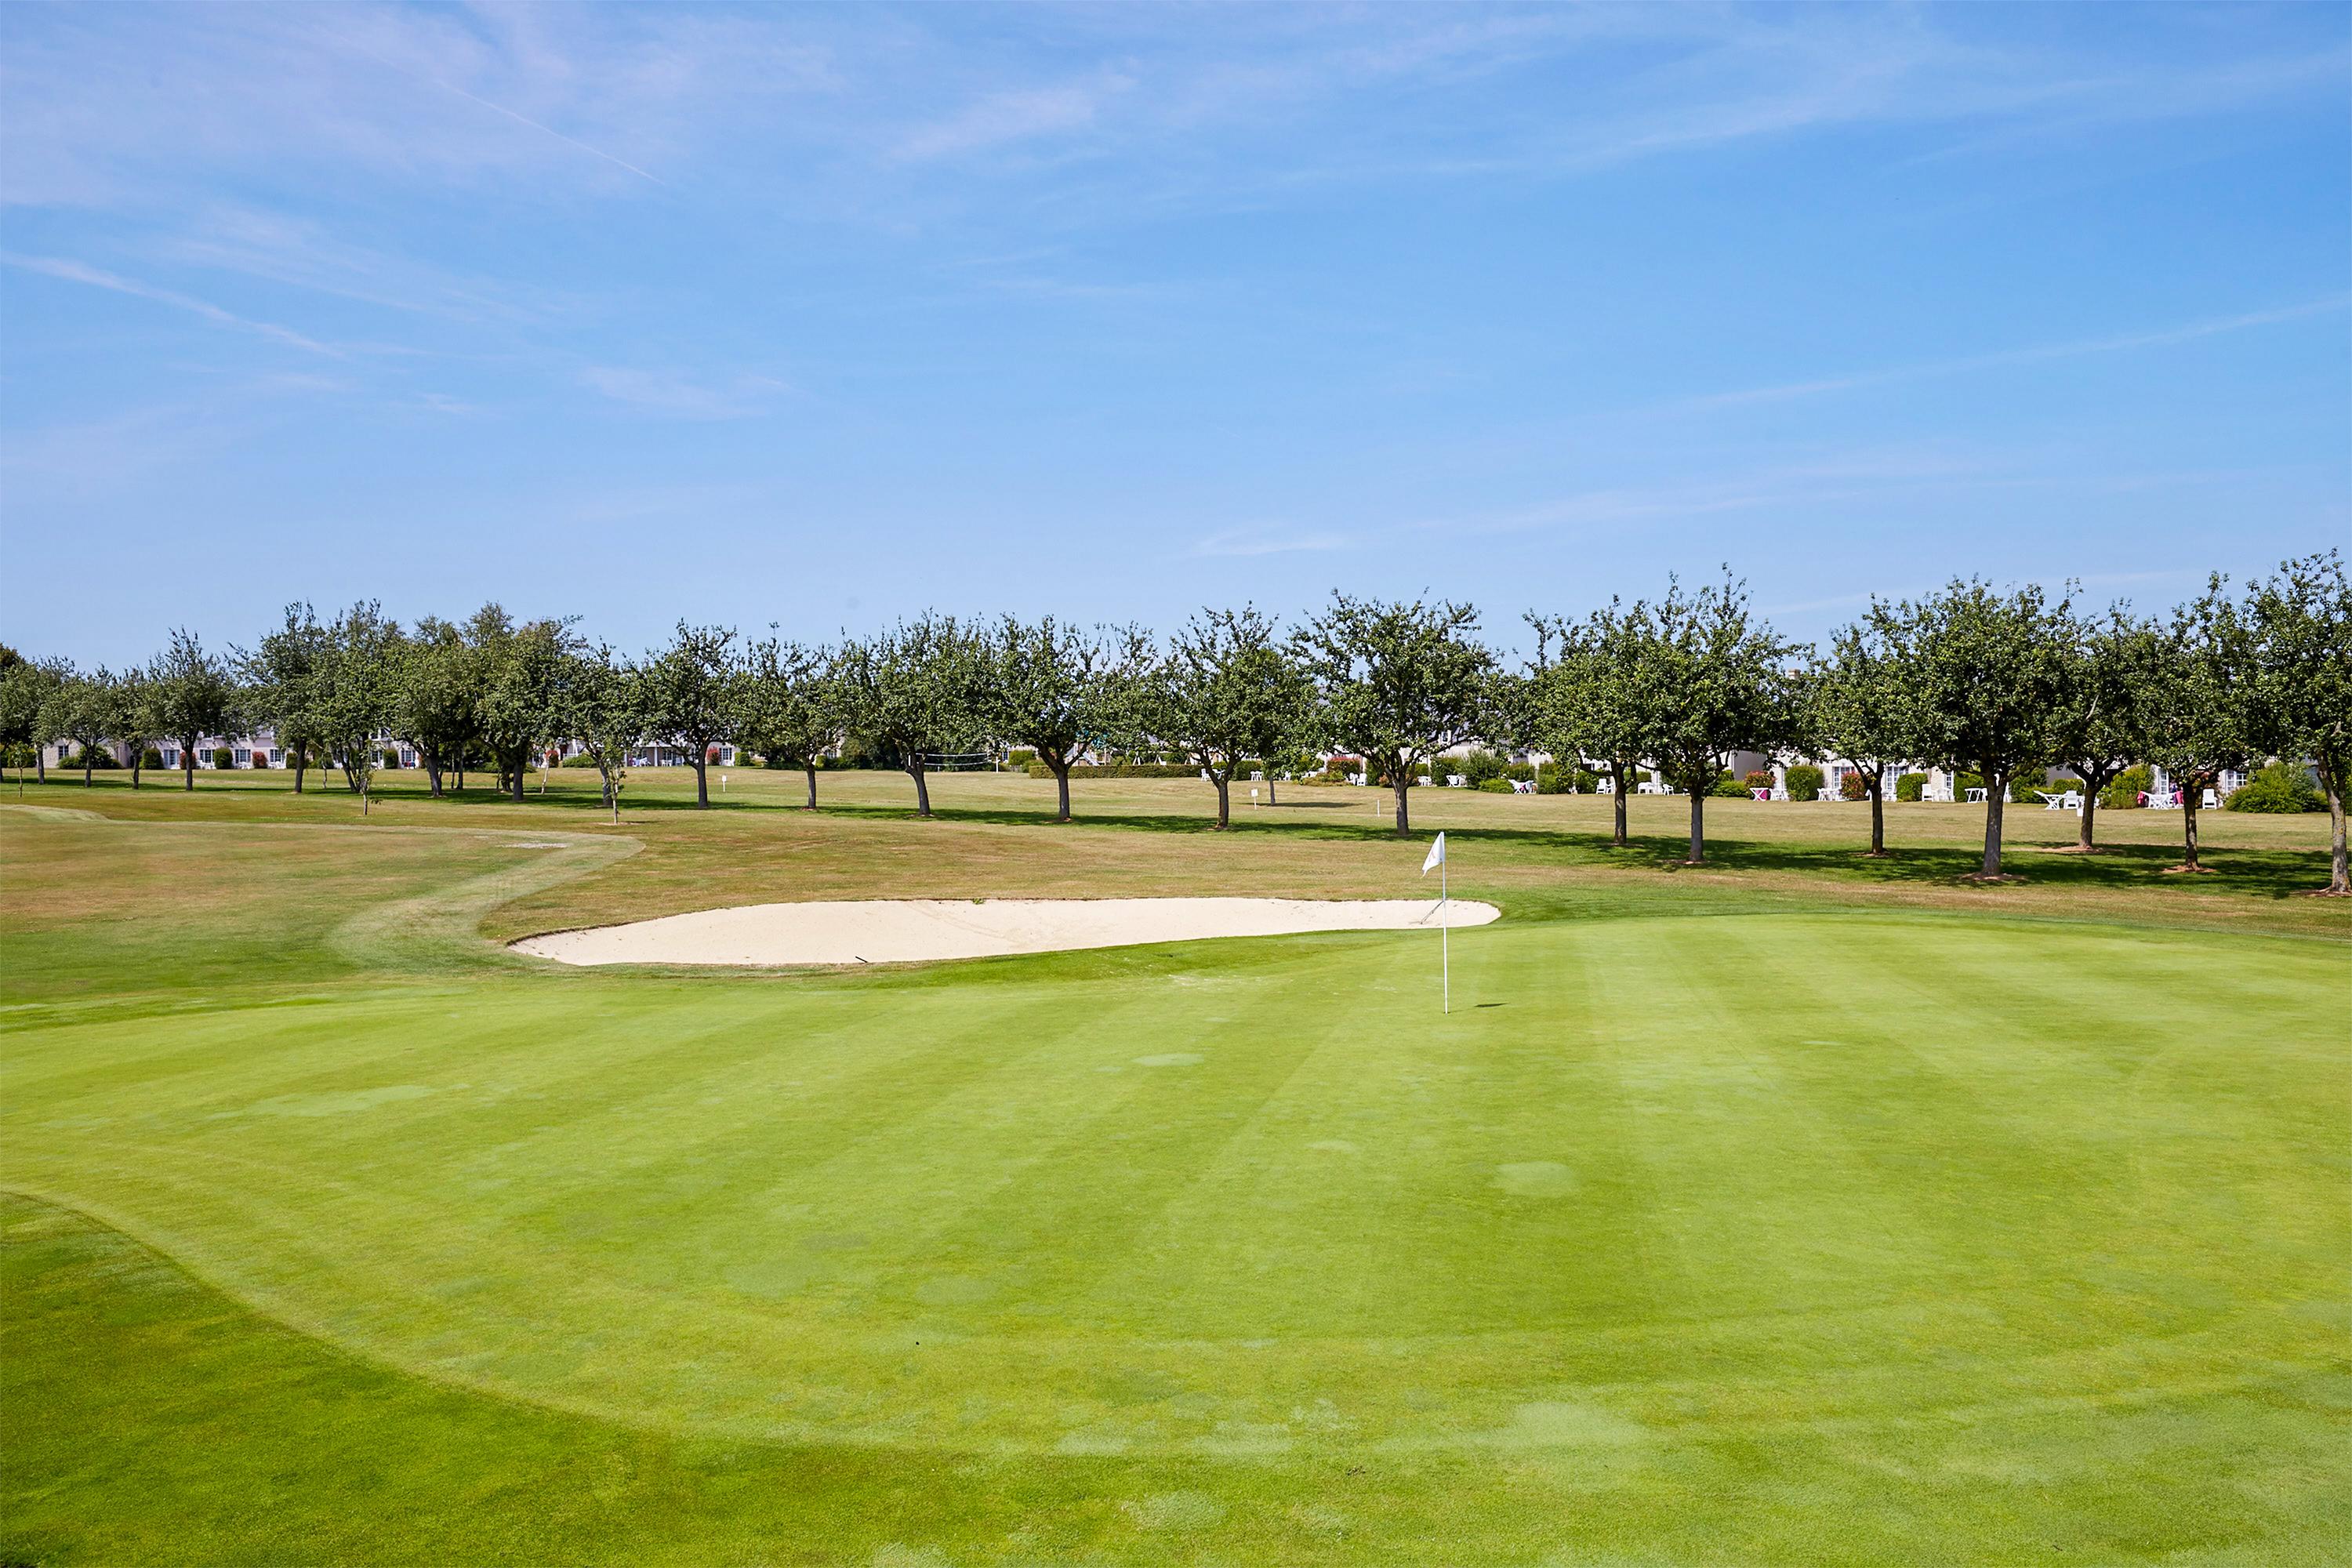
{"x": 701, "y": 779}
{"x": 138, "y": 755}
{"x": 1878, "y": 813}
{"x": 1403, "y": 813}
{"x": 518, "y": 771}
{"x": 1062, "y": 785}
{"x": 301, "y": 760}
{"x": 1996, "y": 794}
{"x": 1269, "y": 786}
{"x": 88, "y": 761}
{"x": 1224, "y": 810}
{"x": 187, "y": 766}
{"x": 432, "y": 773}
{"x": 810, "y": 769}
{"x": 2083, "y": 840}
{"x": 2338, "y": 882}
{"x": 2189, "y": 794}
{"x": 1698, "y": 828}
{"x": 923, "y": 786}
{"x": 40, "y": 763}
{"x": 1625, "y": 787}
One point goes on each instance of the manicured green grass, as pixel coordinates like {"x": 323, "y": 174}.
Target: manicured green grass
{"x": 1781, "y": 1213}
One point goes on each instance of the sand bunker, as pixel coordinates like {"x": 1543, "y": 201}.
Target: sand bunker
{"x": 878, "y": 930}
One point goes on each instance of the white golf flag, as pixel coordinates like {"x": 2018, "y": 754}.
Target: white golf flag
{"x": 1436, "y": 856}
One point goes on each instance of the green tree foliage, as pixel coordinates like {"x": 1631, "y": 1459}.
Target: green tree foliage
{"x": 1227, "y": 690}
{"x": 1400, "y": 683}
{"x": 2102, "y": 727}
{"x": 437, "y": 696}
{"x": 2200, "y": 708}
{"x": 1587, "y": 702}
{"x": 693, "y": 698}
{"x": 516, "y": 709}
{"x": 81, "y": 710}
{"x": 195, "y": 695}
{"x": 791, "y": 706}
{"x": 281, "y": 686}
{"x": 26, "y": 687}
{"x": 137, "y": 719}
{"x": 1851, "y": 707}
{"x": 1711, "y": 679}
{"x": 1061, "y": 691}
{"x": 355, "y": 688}
{"x": 601, "y": 700}
{"x": 2301, "y": 624}
{"x": 1986, "y": 677}
{"x": 920, "y": 688}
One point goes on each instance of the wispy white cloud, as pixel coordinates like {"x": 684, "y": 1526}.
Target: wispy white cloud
{"x": 74, "y": 271}
{"x": 2035, "y": 354}
{"x": 680, "y": 395}
{"x": 1251, "y": 542}
{"x": 999, "y": 119}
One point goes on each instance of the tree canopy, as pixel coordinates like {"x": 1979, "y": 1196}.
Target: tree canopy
{"x": 1400, "y": 683}
{"x": 1712, "y": 679}
{"x": 1987, "y": 677}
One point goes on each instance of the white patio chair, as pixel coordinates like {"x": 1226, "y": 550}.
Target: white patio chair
{"x": 1523, "y": 787}
{"x": 1975, "y": 797}
{"x": 1455, "y": 781}
{"x": 2211, "y": 803}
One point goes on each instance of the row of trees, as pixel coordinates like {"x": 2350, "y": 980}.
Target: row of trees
{"x": 2004, "y": 685}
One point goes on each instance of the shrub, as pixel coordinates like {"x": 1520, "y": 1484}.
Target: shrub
{"x": 392, "y": 760}
{"x": 2278, "y": 788}
{"x": 1910, "y": 786}
{"x": 260, "y": 755}
{"x": 1478, "y": 767}
{"x": 1805, "y": 781}
{"x": 1120, "y": 771}
{"x": 1757, "y": 779}
{"x": 1730, "y": 786}
{"x": 1495, "y": 786}
{"x": 582, "y": 760}
{"x": 1020, "y": 757}
{"x": 223, "y": 757}
{"x": 1851, "y": 785}
{"x": 2123, "y": 791}
{"x": 151, "y": 758}
{"x": 93, "y": 758}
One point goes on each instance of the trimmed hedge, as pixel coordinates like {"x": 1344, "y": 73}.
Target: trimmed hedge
{"x": 1805, "y": 781}
{"x": 1126, "y": 771}
{"x": 1911, "y": 786}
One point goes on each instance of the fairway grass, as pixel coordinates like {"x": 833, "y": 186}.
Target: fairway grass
{"x": 1781, "y": 1213}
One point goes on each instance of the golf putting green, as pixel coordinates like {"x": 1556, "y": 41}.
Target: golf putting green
{"x": 1786, "y": 1236}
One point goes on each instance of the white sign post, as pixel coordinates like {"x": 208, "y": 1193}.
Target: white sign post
{"x": 1445, "y": 935}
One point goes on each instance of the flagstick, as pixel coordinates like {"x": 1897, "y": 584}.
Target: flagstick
{"x": 1445, "y": 947}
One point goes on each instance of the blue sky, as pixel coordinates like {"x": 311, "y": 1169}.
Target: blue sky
{"x": 824, "y": 316}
